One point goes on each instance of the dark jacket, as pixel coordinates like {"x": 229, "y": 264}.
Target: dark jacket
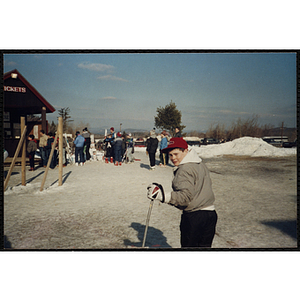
{"x": 118, "y": 142}
{"x": 49, "y": 143}
{"x": 87, "y": 138}
{"x": 152, "y": 144}
{"x": 32, "y": 146}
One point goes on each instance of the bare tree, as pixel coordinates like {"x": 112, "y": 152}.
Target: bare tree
{"x": 65, "y": 114}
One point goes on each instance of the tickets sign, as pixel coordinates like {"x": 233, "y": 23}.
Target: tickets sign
{"x": 15, "y": 89}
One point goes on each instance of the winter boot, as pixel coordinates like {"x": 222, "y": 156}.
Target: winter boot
{"x": 111, "y": 160}
{"x": 116, "y": 163}
{"x": 120, "y": 163}
{"x": 106, "y": 160}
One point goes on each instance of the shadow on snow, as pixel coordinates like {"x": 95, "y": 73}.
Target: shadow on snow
{"x": 287, "y": 227}
{"x": 154, "y": 238}
{"x": 65, "y": 177}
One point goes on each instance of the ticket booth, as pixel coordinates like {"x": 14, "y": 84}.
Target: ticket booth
{"x": 21, "y": 99}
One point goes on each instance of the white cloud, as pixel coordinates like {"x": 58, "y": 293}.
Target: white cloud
{"x": 96, "y": 67}
{"x": 110, "y": 77}
{"x": 10, "y": 63}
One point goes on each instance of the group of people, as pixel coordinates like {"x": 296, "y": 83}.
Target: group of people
{"x": 118, "y": 148}
{"x": 191, "y": 186}
{"x": 152, "y": 144}
{"x": 44, "y": 145}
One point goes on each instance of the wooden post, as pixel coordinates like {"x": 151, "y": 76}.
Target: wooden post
{"x": 49, "y": 162}
{"x": 60, "y": 150}
{"x": 23, "y": 153}
{"x": 44, "y": 123}
{"x": 15, "y": 157}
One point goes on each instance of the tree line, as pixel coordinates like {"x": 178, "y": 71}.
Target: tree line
{"x": 169, "y": 117}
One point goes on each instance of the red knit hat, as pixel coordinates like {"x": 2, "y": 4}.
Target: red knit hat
{"x": 176, "y": 142}
{"x": 119, "y": 134}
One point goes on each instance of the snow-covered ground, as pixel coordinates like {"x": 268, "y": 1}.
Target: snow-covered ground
{"x": 103, "y": 206}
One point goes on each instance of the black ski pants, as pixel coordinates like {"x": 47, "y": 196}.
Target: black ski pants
{"x": 152, "y": 159}
{"x": 198, "y": 228}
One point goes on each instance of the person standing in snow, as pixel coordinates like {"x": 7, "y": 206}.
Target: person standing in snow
{"x": 117, "y": 146}
{"x": 50, "y": 141}
{"x": 87, "y": 143}
{"x": 130, "y": 148}
{"x": 123, "y": 146}
{"x": 164, "y": 157}
{"x": 177, "y": 132}
{"x": 42, "y": 147}
{"x": 79, "y": 144}
{"x": 152, "y": 143}
{"x": 108, "y": 149}
{"x": 192, "y": 193}
{"x": 31, "y": 148}
{"x": 113, "y": 136}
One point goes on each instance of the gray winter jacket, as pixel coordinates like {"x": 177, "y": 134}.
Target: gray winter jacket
{"x": 192, "y": 186}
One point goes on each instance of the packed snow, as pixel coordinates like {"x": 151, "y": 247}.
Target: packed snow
{"x": 102, "y": 206}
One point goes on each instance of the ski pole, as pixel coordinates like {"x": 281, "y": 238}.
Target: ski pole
{"x": 147, "y": 222}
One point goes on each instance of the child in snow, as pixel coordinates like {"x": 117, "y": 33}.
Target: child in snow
{"x": 31, "y": 148}
{"x": 130, "y": 148}
{"x": 192, "y": 193}
{"x": 152, "y": 143}
{"x": 108, "y": 148}
{"x": 164, "y": 157}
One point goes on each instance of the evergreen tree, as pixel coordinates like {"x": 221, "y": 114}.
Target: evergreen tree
{"x": 168, "y": 117}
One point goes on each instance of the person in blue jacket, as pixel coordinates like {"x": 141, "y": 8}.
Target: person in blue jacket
{"x": 79, "y": 144}
{"x": 164, "y": 157}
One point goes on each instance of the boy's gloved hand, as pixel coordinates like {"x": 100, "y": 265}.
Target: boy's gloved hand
{"x": 156, "y": 192}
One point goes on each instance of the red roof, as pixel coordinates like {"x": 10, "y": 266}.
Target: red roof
{"x": 49, "y": 107}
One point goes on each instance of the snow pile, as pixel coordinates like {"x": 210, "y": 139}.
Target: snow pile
{"x": 247, "y": 146}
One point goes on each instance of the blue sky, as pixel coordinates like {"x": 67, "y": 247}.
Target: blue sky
{"x": 105, "y": 90}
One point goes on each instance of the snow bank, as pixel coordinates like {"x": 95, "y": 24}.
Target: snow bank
{"x": 247, "y": 146}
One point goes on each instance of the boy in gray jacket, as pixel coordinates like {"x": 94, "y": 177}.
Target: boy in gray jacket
{"x": 192, "y": 193}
